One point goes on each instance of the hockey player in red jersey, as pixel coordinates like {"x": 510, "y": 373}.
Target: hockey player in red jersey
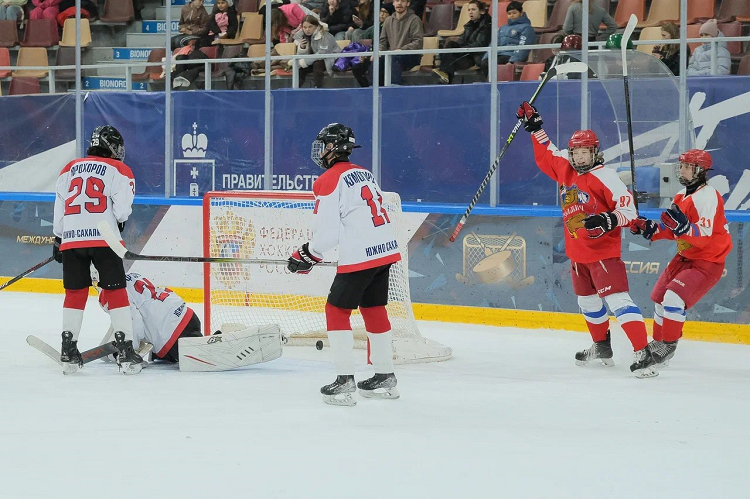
{"x": 696, "y": 220}
{"x": 595, "y": 204}
{"x": 349, "y": 213}
{"x": 89, "y": 190}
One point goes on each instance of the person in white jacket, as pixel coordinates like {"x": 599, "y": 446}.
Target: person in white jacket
{"x": 314, "y": 38}
{"x": 700, "y": 62}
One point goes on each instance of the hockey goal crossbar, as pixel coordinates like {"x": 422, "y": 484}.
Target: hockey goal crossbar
{"x": 113, "y": 241}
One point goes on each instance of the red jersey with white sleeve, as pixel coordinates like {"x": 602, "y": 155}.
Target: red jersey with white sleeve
{"x": 90, "y": 190}
{"x": 708, "y": 238}
{"x": 597, "y": 191}
{"x": 349, "y": 213}
{"x": 159, "y": 314}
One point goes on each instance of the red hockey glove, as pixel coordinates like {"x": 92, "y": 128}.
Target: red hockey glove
{"x": 645, "y": 227}
{"x": 600, "y": 224}
{"x": 676, "y": 221}
{"x": 56, "y": 253}
{"x": 302, "y": 261}
{"x": 532, "y": 122}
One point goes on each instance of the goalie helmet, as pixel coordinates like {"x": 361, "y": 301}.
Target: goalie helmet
{"x": 106, "y": 142}
{"x": 585, "y": 139}
{"x": 334, "y": 143}
{"x": 700, "y": 161}
{"x": 572, "y": 42}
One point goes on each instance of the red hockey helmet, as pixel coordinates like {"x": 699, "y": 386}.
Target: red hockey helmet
{"x": 584, "y": 139}
{"x": 572, "y": 42}
{"x": 700, "y": 161}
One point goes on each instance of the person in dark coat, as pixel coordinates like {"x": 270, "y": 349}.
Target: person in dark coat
{"x": 477, "y": 33}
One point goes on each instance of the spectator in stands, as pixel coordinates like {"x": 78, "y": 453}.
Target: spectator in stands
{"x": 417, "y": 6}
{"x": 477, "y": 33}
{"x": 363, "y": 19}
{"x": 401, "y": 31}
{"x": 386, "y": 9}
{"x": 669, "y": 54}
{"x": 700, "y": 62}
{"x": 221, "y": 25}
{"x": 185, "y": 74}
{"x": 45, "y": 9}
{"x": 285, "y": 22}
{"x": 193, "y": 23}
{"x": 337, "y": 14}
{"x": 573, "y": 24}
{"x": 518, "y": 31}
{"x": 555, "y": 58}
{"x": 314, "y": 39}
{"x": 12, "y": 10}
{"x": 67, "y": 8}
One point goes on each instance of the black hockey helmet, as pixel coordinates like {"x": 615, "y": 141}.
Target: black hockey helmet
{"x": 334, "y": 143}
{"x": 106, "y": 142}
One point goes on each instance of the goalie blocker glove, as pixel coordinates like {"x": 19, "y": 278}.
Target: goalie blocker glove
{"x": 645, "y": 227}
{"x": 527, "y": 113}
{"x": 676, "y": 221}
{"x": 599, "y": 224}
{"x": 302, "y": 261}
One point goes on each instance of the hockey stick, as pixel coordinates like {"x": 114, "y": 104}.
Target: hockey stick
{"x": 113, "y": 241}
{"x": 623, "y": 49}
{"x": 560, "y": 69}
{"x": 27, "y": 272}
{"x": 87, "y": 356}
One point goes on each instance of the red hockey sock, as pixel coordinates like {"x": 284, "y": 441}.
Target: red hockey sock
{"x": 598, "y": 331}
{"x": 637, "y": 334}
{"x": 657, "y": 331}
{"x": 672, "y": 330}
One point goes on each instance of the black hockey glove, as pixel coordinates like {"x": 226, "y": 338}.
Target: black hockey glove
{"x": 532, "y": 122}
{"x": 121, "y": 226}
{"x": 645, "y": 227}
{"x": 600, "y": 224}
{"x": 302, "y": 261}
{"x": 676, "y": 221}
{"x": 56, "y": 253}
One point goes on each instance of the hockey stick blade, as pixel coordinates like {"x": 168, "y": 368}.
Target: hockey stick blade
{"x": 27, "y": 272}
{"x": 87, "y": 356}
{"x": 560, "y": 69}
{"x": 114, "y": 242}
{"x": 632, "y": 23}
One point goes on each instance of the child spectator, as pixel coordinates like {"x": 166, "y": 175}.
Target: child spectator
{"x": 700, "y": 63}
{"x": 193, "y": 23}
{"x": 12, "y": 10}
{"x": 285, "y": 22}
{"x": 518, "y": 31}
{"x": 477, "y": 33}
{"x": 401, "y": 31}
{"x": 338, "y": 16}
{"x": 573, "y": 24}
{"x": 222, "y": 24}
{"x": 314, "y": 39}
{"x": 45, "y": 9}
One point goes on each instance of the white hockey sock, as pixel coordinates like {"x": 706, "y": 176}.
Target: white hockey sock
{"x": 342, "y": 344}
{"x": 72, "y": 320}
{"x": 381, "y": 352}
{"x": 122, "y": 321}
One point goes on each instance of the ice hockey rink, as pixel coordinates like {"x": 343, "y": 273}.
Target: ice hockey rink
{"x": 510, "y": 415}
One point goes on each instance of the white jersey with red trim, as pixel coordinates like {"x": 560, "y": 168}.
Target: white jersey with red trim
{"x": 90, "y": 190}
{"x": 159, "y": 314}
{"x": 349, "y": 213}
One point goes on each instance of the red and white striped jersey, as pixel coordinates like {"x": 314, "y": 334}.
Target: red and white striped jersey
{"x": 159, "y": 314}
{"x": 349, "y": 213}
{"x": 599, "y": 190}
{"x": 90, "y": 190}
{"x": 708, "y": 238}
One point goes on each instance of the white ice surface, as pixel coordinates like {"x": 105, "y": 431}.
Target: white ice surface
{"x": 510, "y": 415}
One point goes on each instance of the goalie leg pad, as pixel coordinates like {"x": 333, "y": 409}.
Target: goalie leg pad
{"x": 230, "y": 350}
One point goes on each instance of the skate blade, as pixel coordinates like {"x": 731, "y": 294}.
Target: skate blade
{"x": 127, "y": 368}
{"x": 386, "y": 393}
{"x": 605, "y": 362}
{"x": 664, "y": 364}
{"x": 646, "y": 372}
{"x": 343, "y": 399}
{"x": 69, "y": 368}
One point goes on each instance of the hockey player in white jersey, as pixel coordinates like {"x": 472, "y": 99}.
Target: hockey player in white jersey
{"x": 349, "y": 213}
{"x": 99, "y": 187}
{"x": 163, "y": 319}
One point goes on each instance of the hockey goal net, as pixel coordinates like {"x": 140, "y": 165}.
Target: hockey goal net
{"x": 271, "y": 225}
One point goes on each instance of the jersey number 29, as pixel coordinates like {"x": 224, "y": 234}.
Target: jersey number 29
{"x": 94, "y": 191}
{"x": 379, "y": 215}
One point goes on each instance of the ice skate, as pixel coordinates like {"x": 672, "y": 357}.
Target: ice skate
{"x": 129, "y": 361}
{"x": 644, "y": 365}
{"x": 601, "y": 350}
{"x": 662, "y": 351}
{"x": 340, "y": 391}
{"x": 70, "y": 357}
{"x": 380, "y": 386}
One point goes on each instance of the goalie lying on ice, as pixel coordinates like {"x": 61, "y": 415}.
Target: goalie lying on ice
{"x": 162, "y": 318}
